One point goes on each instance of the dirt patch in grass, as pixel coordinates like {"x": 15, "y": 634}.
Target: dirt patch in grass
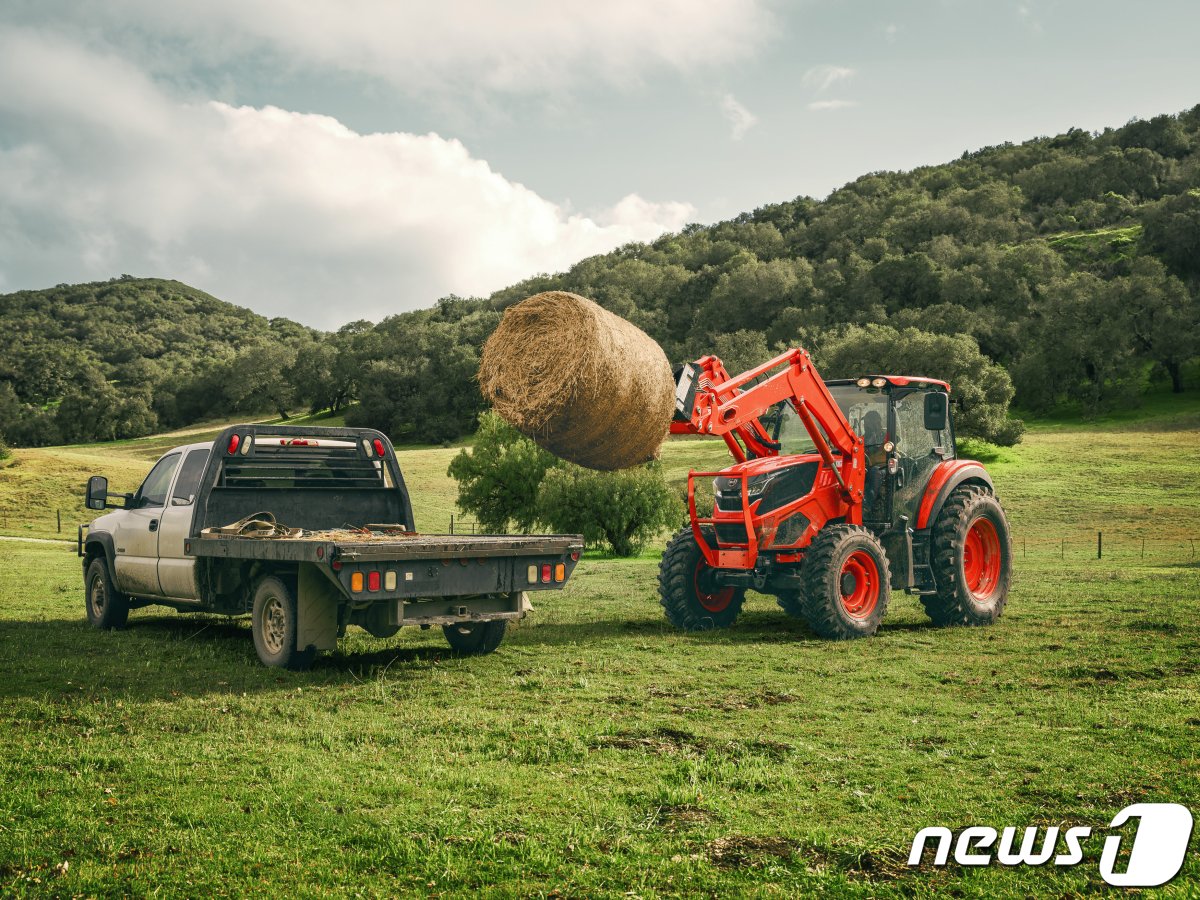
{"x": 680, "y": 816}
{"x": 748, "y": 851}
{"x": 661, "y": 740}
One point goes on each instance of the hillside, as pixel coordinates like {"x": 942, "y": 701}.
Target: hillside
{"x": 1064, "y": 269}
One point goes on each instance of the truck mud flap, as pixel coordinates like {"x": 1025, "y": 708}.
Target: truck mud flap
{"x": 317, "y": 601}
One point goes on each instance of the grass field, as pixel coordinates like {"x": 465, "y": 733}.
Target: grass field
{"x": 599, "y": 752}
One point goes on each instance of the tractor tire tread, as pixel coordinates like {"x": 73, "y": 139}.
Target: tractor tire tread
{"x": 948, "y": 606}
{"x": 675, "y": 582}
{"x": 817, "y": 604}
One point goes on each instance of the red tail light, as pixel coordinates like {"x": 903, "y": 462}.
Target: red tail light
{"x": 234, "y": 440}
{"x": 372, "y": 581}
{"x": 574, "y": 556}
{"x": 546, "y": 573}
{"x": 378, "y": 444}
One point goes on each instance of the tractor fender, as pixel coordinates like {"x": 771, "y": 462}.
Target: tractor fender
{"x": 104, "y": 542}
{"x": 946, "y": 477}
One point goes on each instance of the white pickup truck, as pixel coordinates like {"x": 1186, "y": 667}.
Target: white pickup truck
{"x": 308, "y": 530}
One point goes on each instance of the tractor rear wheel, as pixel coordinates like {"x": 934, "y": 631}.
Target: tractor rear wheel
{"x": 971, "y": 553}
{"x": 690, "y": 601}
{"x": 846, "y": 583}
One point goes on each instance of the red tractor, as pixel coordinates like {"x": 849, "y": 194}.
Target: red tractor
{"x": 842, "y": 490}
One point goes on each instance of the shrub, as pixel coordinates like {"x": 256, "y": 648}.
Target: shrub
{"x": 498, "y": 477}
{"x": 622, "y": 510}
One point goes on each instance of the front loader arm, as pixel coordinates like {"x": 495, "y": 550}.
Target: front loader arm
{"x": 710, "y": 402}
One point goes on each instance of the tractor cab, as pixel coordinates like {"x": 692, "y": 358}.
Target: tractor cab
{"x": 906, "y": 428}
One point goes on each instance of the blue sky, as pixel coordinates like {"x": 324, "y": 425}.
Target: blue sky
{"x": 354, "y": 158}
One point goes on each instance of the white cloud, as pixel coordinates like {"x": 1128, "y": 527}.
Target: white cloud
{"x": 825, "y": 105}
{"x": 740, "y": 119}
{"x": 101, "y": 172}
{"x": 890, "y": 31}
{"x": 822, "y": 78}
{"x": 466, "y": 45}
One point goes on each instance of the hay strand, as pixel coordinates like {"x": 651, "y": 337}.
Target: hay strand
{"x": 582, "y": 382}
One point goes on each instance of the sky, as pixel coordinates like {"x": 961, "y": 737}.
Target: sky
{"x": 334, "y": 160}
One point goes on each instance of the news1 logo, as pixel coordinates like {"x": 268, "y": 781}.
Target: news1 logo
{"x": 1156, "y": 852}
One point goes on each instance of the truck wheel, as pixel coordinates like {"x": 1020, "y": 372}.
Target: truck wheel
{"x": 689, "y": 603}
{"x": 274, "y": 626}
{"x": 846, "y": 583}
{"x": 971, "y": 553}
{"x": 475, "y": 638}
{"x": 106, "y": 606}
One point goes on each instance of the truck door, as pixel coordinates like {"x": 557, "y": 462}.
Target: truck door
{"x": 135, "y": 537}
{"x": 177, "y": 570}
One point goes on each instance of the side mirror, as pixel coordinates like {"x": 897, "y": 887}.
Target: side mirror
{"x": 97, "y": 492}
{"x": 937, "y": 410}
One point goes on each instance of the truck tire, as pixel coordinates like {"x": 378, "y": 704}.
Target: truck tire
{"x": 971, "y": 555}
{"x": 274, "y": 624}
{"x": 106, "y": 606}
{"x": 685, "y": 603}
{"x": 475, "y": 638}
{"x": 846, "y": 583}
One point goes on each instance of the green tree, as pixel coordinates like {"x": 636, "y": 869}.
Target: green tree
{"x": 498, "y": 477}
{"x": 623, "y": 510}
{"x": 982, "y": 389}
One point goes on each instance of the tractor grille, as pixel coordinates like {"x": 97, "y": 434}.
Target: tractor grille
{"x": 731, "y": 533}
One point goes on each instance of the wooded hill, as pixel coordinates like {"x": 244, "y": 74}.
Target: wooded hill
{"x": 1065, "y": 267}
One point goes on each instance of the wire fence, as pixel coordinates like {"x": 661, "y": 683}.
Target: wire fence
{"x": 41, "y": 520}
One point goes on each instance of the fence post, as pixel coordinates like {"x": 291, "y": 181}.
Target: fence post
{"x": 58, "y": 515}
{"x": 452, "y": 523}
{"x": 1143, "y": 548}
{"x": 1063, "y": 553}
{"x": 1024, "y": 551}
{"x": 1099, "y": 545}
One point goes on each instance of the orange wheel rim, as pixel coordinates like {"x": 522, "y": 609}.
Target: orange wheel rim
{"x": 982, "y": 559}
{"x": 715, "y": 602}
{"x": 858, "y": 583}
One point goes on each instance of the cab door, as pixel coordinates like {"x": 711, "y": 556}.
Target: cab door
{"x": 918, "y": 452}
{"x": 177, "y": 570}
{"x": 135, "y": 537}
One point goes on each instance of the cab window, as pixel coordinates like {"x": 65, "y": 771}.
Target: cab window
{"x": 188, "y": 481}
{"x": 153, "y": 491}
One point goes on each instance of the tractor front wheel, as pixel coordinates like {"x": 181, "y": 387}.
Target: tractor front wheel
{"x": 971, "y": 552}
{"x": 686, "y": 593}
{"x": 846, "y": 583}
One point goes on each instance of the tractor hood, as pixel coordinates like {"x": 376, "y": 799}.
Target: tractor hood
{"x": 772, "y": 482}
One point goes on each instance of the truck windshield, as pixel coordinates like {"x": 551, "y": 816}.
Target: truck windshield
{"x": 865, "y": 408}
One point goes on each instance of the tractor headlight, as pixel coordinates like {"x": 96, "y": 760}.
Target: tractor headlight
{"x": 756, "y": 485}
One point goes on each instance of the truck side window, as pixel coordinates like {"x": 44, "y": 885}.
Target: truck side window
{"x": 153, "y": 491}
{"x": 188, "y": 481}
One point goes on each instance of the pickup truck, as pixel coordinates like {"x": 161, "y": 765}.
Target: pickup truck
{"x": 307, "y": 530}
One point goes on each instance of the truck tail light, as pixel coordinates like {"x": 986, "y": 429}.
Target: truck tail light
{"x": 373, "y": 581}
{"x": 378, "y": 445}
{"x": 546, "y": 573}
{"x": 247, "y": 444}
{"x": 356, "y": 582}
{"x": 533, "y": 574}
{"x": 389, "y": 581}
{"x": 560, "y": 572}
{"x": 367, "y": 448}
{"x": 234, "y": 440}
{"x": 574, "y": 556}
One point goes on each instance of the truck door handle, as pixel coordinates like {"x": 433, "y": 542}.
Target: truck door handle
{"x": 154, "y": 524}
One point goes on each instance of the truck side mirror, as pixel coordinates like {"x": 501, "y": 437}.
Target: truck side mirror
{"x": 97, "y": 492}
{"x": 937, "y": 410}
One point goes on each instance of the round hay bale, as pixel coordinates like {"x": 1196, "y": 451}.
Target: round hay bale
{"x": 585, "y": 384}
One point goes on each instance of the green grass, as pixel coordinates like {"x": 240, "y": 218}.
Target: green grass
{"x": 599, "y": 751}
{"x": 1101, "y": 244}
